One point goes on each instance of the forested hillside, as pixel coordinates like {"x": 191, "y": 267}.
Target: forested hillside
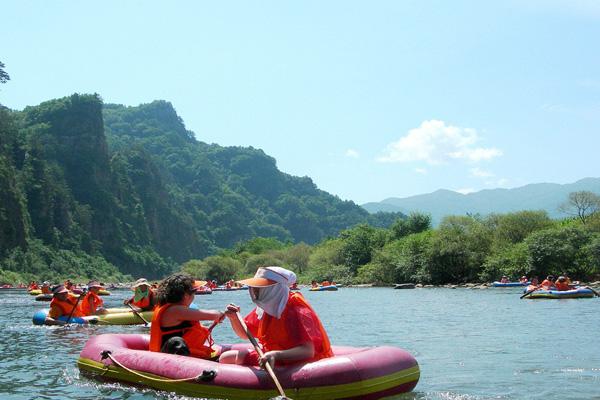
{"x": 103, "y": 190}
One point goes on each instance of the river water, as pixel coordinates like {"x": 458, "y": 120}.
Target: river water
{"x": 470, "y": 344}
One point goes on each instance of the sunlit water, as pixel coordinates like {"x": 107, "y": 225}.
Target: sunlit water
{"x": 470, "y": 344}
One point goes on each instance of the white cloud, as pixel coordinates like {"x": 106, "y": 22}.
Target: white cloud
{"x": 465, "y": 190}
{"x": 437, "y": 143}
{"x": 352, "y": 153}
{"x": 481, "y": 173}
{"x": 421, "y": 171}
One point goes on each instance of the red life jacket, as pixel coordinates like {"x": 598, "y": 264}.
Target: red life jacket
{"x": 274, "y": 334}
{"x": 96, "y": 302}
{"x": 145, "y": 303}
{"x": 196, "y": 337}
{"x": 65, "y": 307}
{"x": 546, "y": 284}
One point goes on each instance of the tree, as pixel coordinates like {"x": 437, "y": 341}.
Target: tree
{"x": 3, "y": 75}
{"x": 581, "y": 204}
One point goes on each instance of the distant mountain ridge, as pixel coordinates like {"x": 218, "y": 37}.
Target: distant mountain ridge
{"x": 537, "y": 196}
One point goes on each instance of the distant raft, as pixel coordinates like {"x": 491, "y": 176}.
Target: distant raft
{"x": 578, "y": 293}
{"x": 323, "y": 288}
{"x": 35, "y": 292}
{"x": 353, "y": 373}
{"x": 509, "y": 284}
{"x": 121, "y": 317}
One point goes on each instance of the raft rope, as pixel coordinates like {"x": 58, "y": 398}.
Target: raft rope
{"x": 205, "y": 376}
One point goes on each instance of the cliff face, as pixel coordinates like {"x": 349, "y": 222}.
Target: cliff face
{"x": 132, "y": 185}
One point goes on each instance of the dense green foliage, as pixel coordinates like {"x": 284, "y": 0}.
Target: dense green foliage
{"x": 462, "y": 249}
{"x": 93, "y": 190}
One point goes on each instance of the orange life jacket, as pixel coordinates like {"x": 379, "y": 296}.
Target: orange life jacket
{"x": 196, "y": 337}
{"x": 562, "y": 286}
{"x": 46, "y": 290}
{"x": 65, "y": 307}
{"x": 273, "y": 333}
{"x": 145, "y": 302}
{"x": 325, "y": 283}
{"x": 90, "y": 303}
{"x": 546, "y": 284}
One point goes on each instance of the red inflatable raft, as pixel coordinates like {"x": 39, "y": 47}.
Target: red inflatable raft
{"x": 353, "y": 373}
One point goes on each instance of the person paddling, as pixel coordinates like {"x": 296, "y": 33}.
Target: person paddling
{"x": 63, "y": 304}
{"x": 548, "y": 283}
{"x": 144, "y": 297}
{"x": 175, "y": 328}
{"x": 283, "y": 322}
{"x": 562, "y": 284}
{"x": 92, "y": 304}
{"x": 46, "y": 288}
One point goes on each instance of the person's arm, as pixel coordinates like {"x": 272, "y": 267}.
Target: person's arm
{"x": 303, "y": 352}
{"x": 183, "y": 313}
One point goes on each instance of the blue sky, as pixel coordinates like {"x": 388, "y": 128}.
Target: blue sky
{"x": 370, "y": 99}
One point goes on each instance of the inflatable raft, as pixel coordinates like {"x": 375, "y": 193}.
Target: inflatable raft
{"x": 35, "y": 292}
{"x": 577, "y": 293}
{"x": 509, "y": 284}
{"x": 226, "y": 289}
{"x": 43, "y": 297}
{"x": 353, "y": 373}
{"x": 322, "y": 288}
{"x": 123, "y": 317}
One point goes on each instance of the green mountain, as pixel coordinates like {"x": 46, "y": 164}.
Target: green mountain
{"x": 86, "y": 187}
{"x": 539, "y": 196}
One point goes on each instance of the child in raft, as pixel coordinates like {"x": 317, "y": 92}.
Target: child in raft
{"x": 92, "y": 304}
{"x": 283, "y": 322}
{"x": 175, "y": 326}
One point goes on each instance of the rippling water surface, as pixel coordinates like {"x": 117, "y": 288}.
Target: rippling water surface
{"x": 470, "y": 344}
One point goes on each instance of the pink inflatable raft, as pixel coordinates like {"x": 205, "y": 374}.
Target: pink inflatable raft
{"x": 353, "y": 373}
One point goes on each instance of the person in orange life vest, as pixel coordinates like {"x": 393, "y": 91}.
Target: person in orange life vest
{"x": 548, "y": 283}
{"x": 46, "y": 288}
{"x": 325, "y": 283}
{"x": 562, "y": 284}
{"x": 92, "y": 304}
{"x": 283, "y": 322}
{"x": 144, "y": 298}
{"x": 62, "y": 305}
{"x": 175, "y": 326}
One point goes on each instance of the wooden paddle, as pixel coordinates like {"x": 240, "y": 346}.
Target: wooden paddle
{"x": 261, "y": 354}
{"x": 138, "y": 314}
{"x": 529, "y": 292}
{"x": 593, "y": 291}
{"x": 75, "y": 306}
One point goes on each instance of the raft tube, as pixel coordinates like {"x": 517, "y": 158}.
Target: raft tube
{"x": 204, "y": 290}
{"x": 115, "y": 318}
{"x": 225, "y": 289}
{"x": 35, "y": 292}
{"x": 578, "y": 293}
{"x": 322, "y": 288}
{"x": 43, "y": 297}
{"x": 353, "y": 373}
{"x": 509, "y": 284}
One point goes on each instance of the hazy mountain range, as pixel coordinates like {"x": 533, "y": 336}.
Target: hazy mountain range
{"x": 537, "y": 196}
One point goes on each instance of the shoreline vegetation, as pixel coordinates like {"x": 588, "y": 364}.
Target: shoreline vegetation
{"x": 462, "y": 252}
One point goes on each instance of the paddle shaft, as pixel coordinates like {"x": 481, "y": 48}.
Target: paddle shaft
{"x": 260, "y": 354}
{"x": 138, "y": 314}
{"x": 593, "y": 291}
{"x": 75, "y": 306}
{"x": 531, "y": 291}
